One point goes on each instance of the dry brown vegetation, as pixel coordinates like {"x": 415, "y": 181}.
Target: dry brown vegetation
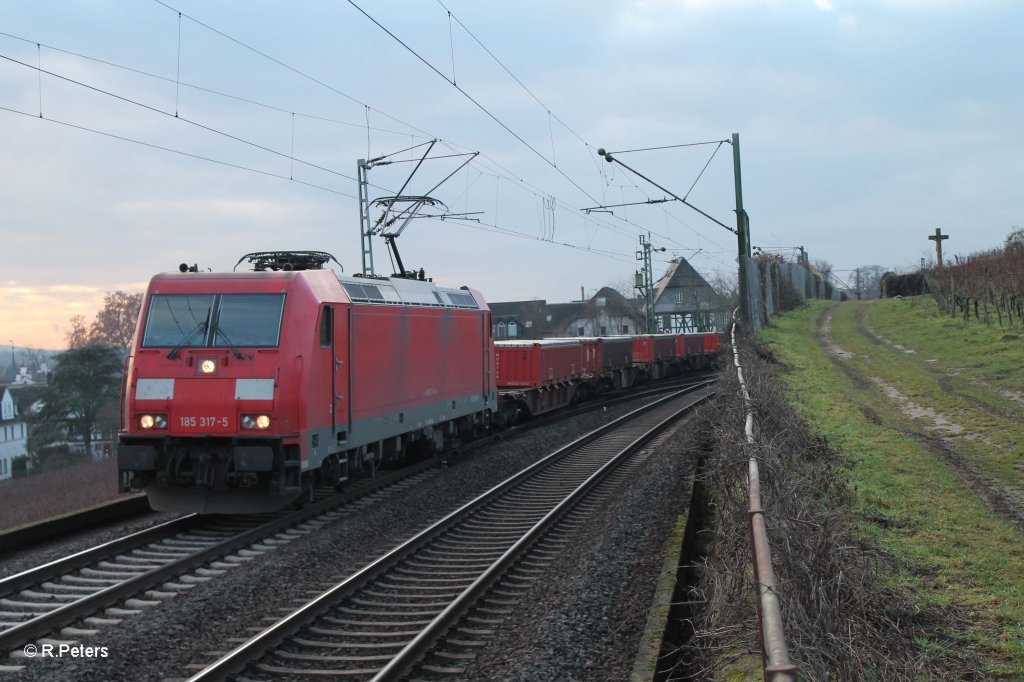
{"x": 33, "y": 498}
{"x": 988, "y": 286}
{"x": 843, "y": 620}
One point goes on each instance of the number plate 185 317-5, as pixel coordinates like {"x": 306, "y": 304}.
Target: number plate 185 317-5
{"x": 202, "y": 423}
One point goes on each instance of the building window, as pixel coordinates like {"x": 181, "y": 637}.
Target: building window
{"x": 513, "y": 329}
{"x": 500, "y": 333}
{"x": 604, "y": 331}
{"x": 625, "y": 329}
{"x": 582, "y": 332}
{"x": 600, "y": 301}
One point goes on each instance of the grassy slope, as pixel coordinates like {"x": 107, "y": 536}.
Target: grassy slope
{"x": 954, "y": 550}
{"x": 41, "y": 496}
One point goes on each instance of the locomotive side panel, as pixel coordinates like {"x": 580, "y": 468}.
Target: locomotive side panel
{"x": 414, "y": 372}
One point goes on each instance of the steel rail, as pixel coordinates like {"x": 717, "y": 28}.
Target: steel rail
{"x": 33, "y": 576}
{"x": 65, "y": 615}
{"x": 777, "y": 665}
{"x": 404, "y": 662}
{"x": 255, "y": 648}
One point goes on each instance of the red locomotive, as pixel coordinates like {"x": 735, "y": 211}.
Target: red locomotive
{"x": 243, "y": 390}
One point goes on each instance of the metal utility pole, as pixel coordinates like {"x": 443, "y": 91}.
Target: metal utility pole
{"x": 742, "y": 229}
{"x": 364, "y": 216}
{"x": 645, "y": 280}
{"x": 937, "y": 238}
{"x": 742, "y": 232}
{"x": 858, "y": 283}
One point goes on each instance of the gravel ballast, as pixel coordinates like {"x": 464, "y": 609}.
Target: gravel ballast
{"x": 593, "y": 610}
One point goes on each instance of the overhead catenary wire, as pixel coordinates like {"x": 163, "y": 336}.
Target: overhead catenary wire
{"x": 494, "y": 227}
{"x": 470, "y": 98}
{"x": 501, "y": 170}
{"x": 483, "y": 161}
{"x": 509, "y": 72}
{"x": 451, "y": 81}
{"x": 175, "y": 116}
{"x": 176, "y": 151}
{"x": 284, "y": 65}
{"x": 209, "y": 91}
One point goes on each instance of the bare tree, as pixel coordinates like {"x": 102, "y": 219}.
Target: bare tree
{"x": 114, "y": 324}
{"x": 78, "y": 335}
{"x": 1015, "y": 240}
{"x": 870, "y": 281}
{"x": 822, "y": 267}
{"x": 727, "y": 286}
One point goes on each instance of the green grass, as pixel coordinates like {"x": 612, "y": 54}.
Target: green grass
{"x": 992, "y": 436}
{"x": 954, "y": 551}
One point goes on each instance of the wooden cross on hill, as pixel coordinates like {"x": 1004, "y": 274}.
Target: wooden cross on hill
{"x": 937, "y": 238}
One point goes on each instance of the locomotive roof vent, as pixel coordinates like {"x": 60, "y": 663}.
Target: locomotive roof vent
{"x": 287, "y": 260}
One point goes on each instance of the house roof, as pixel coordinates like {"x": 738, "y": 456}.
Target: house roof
{"x": 681, "y": 277}
{"x": 615, "y": 305}
{"x": 539, "y": 319}
{"x": 536, "y": 319}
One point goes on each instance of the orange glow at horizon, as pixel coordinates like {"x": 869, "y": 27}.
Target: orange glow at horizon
{"x": 40, "y": 316}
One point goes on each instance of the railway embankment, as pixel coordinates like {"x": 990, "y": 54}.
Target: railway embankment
{"x": 889, "y": 439}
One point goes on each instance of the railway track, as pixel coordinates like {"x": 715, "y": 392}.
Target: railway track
{"x": 28, "y": 536}
{"x": 76, "y": 596}
{"x": 437, "y": 597}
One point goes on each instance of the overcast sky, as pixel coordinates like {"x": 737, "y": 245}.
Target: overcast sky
{"x": 863, "y": 127}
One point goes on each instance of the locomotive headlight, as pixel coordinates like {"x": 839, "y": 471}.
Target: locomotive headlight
{"x": 208, "y": 366}
{"x": 153, "y": 421}
{"x": 253, "y": 421}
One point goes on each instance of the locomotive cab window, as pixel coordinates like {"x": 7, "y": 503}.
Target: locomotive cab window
{"x": 325, "y": 328}
{"x": 214, "y": 320}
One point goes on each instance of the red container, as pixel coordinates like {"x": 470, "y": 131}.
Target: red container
{"x": 590, "y": 349}
{"x": 643, "y": 349}
{"x": 693, "y": 345}
{"x": 711, "y": 342}
{"x": 664, "y": 347}
{"x": 654, "y": 348}
{"x": 680, "y": 345}
{"x": 532, "y": 364}
{"x": 614, "y": 352}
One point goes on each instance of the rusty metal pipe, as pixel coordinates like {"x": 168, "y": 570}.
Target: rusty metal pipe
{"x": 778, "y": 667}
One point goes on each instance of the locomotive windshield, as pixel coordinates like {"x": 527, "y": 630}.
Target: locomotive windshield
{"x": 214, "y": 320}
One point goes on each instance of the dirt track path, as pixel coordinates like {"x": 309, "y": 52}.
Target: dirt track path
{"x": 940, "y": 434}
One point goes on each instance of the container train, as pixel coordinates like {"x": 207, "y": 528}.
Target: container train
{"x": 243, "y": 390}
